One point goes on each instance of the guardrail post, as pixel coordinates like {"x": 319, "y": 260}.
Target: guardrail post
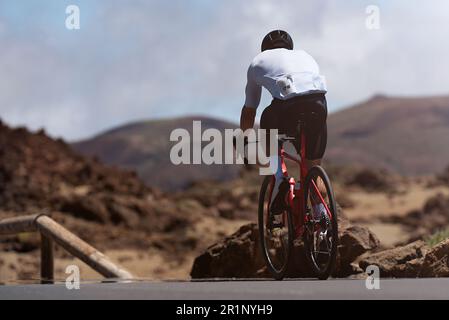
{"x": 47, "y": 262}
{"x": 81, "y": 249}
{"x": 51, "y": 232}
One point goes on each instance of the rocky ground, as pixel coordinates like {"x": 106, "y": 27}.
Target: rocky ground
{"x": 239, "y": 256}
{"x": 153, "y": 234}
{"x": 412, "y": 239}
{"x": 209, "y": 226}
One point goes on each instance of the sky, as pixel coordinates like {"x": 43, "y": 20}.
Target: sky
{"x": 137, "y": 60}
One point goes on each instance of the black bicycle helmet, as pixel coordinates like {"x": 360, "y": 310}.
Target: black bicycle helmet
{"x": 277, "y": 39}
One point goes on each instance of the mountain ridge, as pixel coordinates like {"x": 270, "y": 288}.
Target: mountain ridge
{"x": 145, "y": 147}
{"x": 406, "y": 135}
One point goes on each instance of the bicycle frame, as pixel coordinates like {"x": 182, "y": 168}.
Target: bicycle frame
{"x": 296, "y": 196}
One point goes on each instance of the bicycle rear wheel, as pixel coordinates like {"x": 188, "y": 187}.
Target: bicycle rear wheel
{"x": 276, "y": 235}
{"x": 321, "y": 232}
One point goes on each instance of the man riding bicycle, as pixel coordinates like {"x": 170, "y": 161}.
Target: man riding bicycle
{"x": 292, "y": 77}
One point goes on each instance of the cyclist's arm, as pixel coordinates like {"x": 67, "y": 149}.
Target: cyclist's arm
{"x": 247, "y": 118}
{"x": 253, "y": 92}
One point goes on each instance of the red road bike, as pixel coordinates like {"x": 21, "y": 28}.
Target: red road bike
{"x": 319, "y": 232}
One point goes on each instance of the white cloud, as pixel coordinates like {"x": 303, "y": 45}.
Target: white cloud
{"x": 141, "y": 59}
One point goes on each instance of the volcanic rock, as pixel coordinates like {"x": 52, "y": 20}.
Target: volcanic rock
{"x": 436, "y": 261}
{"x": 401, "y": 262}
{"x": 240, "y": 256}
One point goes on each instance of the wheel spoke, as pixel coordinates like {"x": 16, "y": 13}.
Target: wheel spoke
{"x": 319, "y": 239}
{"x": 276, "y": 238}
{"x": 323, "y": 252}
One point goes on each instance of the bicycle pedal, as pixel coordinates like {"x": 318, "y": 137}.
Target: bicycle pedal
{"x": 323, "y": 223}
{"x": 276, "y": 222}
{"x": 274, "y": 225}
{"x": 278, "y": 210}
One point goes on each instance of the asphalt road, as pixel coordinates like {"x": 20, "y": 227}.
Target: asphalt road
{"x": 237, "y": 290}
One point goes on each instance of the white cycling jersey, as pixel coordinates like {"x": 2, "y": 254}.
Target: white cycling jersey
{"x": 285, "y": 74}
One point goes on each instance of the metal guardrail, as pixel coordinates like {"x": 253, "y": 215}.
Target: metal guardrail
{"x": 51, "y": 232}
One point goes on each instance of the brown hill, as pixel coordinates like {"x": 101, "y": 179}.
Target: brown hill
{"x": 111, "y": 208}
{"x": 145, "y": 147}
{"x": 39, "y": 173}
{"x": 154, "y": 234}
{"x": 406, "y": 135}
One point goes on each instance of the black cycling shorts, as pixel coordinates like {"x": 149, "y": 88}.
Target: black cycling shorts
{"x": 285, "y": 114}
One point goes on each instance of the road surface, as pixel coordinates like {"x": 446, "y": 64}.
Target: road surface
{"x": 237, "y": 290}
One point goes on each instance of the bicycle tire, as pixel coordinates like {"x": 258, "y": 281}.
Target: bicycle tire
{"x": 321, "y": 273}
{"x": 278, "y": 273}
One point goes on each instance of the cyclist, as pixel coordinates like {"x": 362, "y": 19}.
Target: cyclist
{"x": 293, "y": 79}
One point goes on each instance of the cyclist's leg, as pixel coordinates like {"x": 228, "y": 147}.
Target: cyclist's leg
{"x": 316, "y": 130}
{"x": 315, "y": 133}
{"x": 316, "y": 137}
{"x": 315, "y": 127}
{"x": 270, "y": 119}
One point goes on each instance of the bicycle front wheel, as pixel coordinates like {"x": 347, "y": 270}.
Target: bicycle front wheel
{"x": 321, "y": 232}
{"x": 275, "y": 233}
